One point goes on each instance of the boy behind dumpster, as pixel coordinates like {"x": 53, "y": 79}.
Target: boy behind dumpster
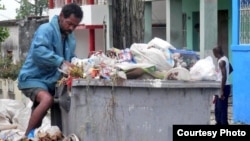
{"x": 221, "y": 101}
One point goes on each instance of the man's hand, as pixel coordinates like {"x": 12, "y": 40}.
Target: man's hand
{"x": 68, "y": 64}
{"x": 65, "y": 67}
{"x": 222, "y": 97}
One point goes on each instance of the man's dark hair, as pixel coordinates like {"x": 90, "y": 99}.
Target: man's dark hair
{"x": 72, "y": 8}
{"x": 219, "y": 49}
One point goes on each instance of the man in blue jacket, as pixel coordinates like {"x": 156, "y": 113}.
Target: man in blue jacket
{"x": 52, "y": 48}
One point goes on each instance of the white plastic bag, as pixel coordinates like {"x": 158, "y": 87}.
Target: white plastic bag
{"x": 144, "y": 54}
{"x": 203, "y": 69}
{"x": 128, "y": 66}
{"x": 178, "y": 73}
{"x": 160, "y": 44}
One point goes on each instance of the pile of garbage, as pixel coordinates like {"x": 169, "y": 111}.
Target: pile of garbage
{"x": 14, "y": 117}
{"x": 157, "y": 59}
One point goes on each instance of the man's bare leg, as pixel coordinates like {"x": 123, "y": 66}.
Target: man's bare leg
{"x": 45, "y": 101}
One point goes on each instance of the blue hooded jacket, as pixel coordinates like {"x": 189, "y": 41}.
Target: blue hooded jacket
{"x": 46, "y": 54}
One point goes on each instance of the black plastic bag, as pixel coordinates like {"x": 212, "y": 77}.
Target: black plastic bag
{"x": 230, "y": 68}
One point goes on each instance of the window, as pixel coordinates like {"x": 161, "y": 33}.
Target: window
{"x": 244, "y": 22}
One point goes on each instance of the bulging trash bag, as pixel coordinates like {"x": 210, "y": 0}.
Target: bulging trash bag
{"x": 178, "y": 73}
{"x": 160, "y": 44}
{"x": 144, "y": 54}
{"x": 203, "y": 69}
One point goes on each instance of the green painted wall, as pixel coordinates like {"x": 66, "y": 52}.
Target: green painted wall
{"x": 191, "y": 6}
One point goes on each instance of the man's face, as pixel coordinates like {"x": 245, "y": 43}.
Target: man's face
{"x": 215, "y": 53}
{"x": 68, "y": 25}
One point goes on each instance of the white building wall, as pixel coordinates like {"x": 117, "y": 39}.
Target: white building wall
{"x": 82, "y": 41}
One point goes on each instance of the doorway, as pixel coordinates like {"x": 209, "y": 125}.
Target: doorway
{"x": 222, "y": 39}
{"x": 223, "y": 30}
{"x": 196, "y": 31}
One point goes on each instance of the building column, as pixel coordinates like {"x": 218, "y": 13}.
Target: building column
{"x": 51, "y": 4}
{"x": 148, "y": 21}
{"x": 68, "y": 1}
{"x": 174, "y": 23}
{"x": 208, "y": 26}
{"x": 108, "y": 28}
{"x": 91, "y": 33}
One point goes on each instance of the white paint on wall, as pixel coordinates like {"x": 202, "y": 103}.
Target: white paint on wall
{"x": 82, "y": 41}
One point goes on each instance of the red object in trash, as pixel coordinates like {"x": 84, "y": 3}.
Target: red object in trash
{"x": 69, "y": 80}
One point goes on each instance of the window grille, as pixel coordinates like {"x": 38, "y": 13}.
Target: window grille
{"x": 244, "y": 22}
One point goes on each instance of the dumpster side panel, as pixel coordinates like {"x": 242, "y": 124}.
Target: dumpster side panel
{"x": 102, "y": 113}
